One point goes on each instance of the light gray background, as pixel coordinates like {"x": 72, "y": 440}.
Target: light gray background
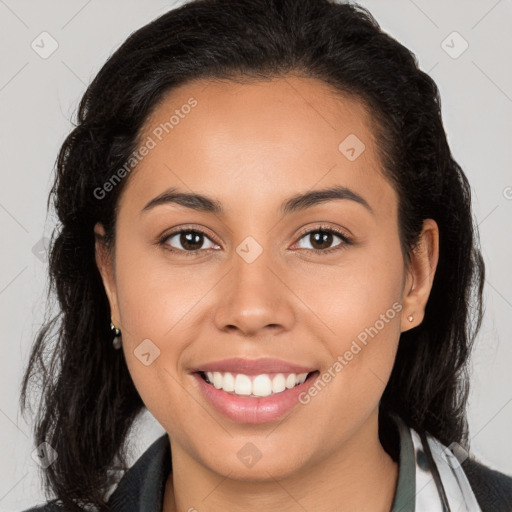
{"x": 39, "y": 96}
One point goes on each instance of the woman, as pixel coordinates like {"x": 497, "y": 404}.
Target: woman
{"x": 260, "y": 208}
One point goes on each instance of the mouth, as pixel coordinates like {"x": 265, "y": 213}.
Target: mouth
{"x": 255, "y": 386}
{"x": 254, "y": 391}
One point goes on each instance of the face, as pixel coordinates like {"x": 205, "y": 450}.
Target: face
{"x": 319, "y": 283}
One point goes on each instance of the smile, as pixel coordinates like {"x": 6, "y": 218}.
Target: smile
{"x": 253, "y": 385}
{"x": 259, "y": 398}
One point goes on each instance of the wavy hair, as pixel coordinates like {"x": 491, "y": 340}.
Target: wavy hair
{"x": 86, "y": 400}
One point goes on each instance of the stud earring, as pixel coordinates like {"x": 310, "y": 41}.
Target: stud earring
{"x": 410, "y": 318}
{"x": 116, "y": 342}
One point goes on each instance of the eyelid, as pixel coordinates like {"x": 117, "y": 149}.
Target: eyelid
{"x": 325, "y": 227}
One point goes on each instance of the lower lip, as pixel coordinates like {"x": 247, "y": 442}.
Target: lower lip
{"x": 245, "y": 409}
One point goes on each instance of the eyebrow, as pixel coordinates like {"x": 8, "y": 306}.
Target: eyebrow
{"x": 296, "y": 203}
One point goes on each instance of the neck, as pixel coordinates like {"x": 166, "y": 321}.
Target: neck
{"x": 359, "y": 476}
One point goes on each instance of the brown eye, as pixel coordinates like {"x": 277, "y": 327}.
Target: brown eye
{"x": 321, "y": 240}
{"x": 187, "y": 240}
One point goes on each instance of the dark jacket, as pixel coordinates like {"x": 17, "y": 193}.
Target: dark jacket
{"x": 142, "y": 487}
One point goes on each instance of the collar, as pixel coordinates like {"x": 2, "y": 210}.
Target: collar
{"x": 142, "y": 487}
{"x": 431, "y": 478}
{"x": 406, "y": 486}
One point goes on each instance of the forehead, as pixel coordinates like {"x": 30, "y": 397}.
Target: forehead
{"x": 261, "y": 140}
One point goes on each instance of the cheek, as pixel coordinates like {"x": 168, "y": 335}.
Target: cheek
{"x": 154, "y": 296}
{"x": 360, "y": 304}
{"x": 149, "y": 308}
{"x": 159, "y": 305}
{"x": 351, "y": 295}
{"x": 372, "y": 305}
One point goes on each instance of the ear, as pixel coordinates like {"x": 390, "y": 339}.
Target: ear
{"x": 105, "y": 264}
{"x": 420, "y": 275}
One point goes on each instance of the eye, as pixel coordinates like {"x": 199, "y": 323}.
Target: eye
{"x": 322, "y": 237}
{"x": 190, "y": 240}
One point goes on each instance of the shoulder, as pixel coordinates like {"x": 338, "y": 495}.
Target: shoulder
{"x": 492, "y": 489}
{"x": 141, "y": 487}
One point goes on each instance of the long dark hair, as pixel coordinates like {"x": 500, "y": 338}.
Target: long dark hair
{"x": 87, "y": 400}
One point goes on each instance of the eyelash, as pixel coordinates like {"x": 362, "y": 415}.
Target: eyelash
{"x": 324, "y": 229}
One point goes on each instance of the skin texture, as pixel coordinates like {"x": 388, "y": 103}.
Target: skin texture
{"x": 251, "y": 146}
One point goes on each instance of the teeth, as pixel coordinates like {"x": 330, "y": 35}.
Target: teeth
{"x": 258, "y": 385}
{"x": 242, "y": 384}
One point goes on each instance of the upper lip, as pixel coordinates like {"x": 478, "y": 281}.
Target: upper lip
{"x": 253, "y": 366}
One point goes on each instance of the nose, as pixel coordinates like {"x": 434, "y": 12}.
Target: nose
{"x": 255, "y": 299}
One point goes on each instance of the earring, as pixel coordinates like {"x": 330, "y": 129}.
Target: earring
{"x": 410, "y": 318}
{"x": 116, "y": 342}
